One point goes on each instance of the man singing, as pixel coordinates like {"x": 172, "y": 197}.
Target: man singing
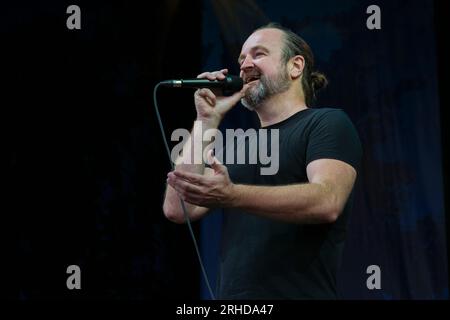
{"x": 283, "y": 234}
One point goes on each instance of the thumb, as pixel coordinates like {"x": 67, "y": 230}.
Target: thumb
{"x": 215, "y": 163}
{"x": 234, "y": 98}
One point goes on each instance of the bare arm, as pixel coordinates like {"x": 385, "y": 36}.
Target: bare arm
{"x": 319, "y": 201}
{"x": 210, "y": 111}
{"x": 185, "y": 163}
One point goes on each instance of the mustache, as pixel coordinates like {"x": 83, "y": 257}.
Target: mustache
{"x": 252, "y": 74}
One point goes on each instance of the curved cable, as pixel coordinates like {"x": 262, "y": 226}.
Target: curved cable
{"x": 186, "y": 217}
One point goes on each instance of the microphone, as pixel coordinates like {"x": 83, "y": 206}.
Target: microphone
{"x": 229, "y": 85}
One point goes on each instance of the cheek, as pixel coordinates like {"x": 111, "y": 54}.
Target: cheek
{"x": 270, "y": 69}
{"x": 271, "y": 74}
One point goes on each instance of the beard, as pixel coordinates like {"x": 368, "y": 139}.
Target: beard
{"x": 266, "y": 88}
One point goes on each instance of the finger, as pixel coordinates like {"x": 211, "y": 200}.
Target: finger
{"x": 220, "y": 75}
{"x": 236, "y": 97}
{"x": 216, "y": 164}
{"x": 208, "y": 95}
{"x": 209, "y": 157}
{"x": 184, "y": 193}
{"x": 193, "y": 178}
{"x": 193, "y": 199}
{"x": 208, "y": 75}
{"x": 173, "y": 184}
{"x": 183, "y": 186}
{"x": 244, "y": 89}
{"x": 185, "y": 196}
{"x": 202, "y": 75}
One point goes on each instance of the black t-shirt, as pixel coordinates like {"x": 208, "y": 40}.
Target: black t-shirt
{"x": 263, "y": 258}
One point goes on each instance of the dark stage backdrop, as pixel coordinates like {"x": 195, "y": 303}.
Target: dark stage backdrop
{"x": 85, "y": 164}
{"x": 386, "y": 81}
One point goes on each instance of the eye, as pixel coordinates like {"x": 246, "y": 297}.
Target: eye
{"x": 259, "y": 54}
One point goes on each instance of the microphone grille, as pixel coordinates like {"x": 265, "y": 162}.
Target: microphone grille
{"x": 233, "y": 83}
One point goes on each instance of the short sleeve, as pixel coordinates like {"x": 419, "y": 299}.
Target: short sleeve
{"x": 333, "y": 136}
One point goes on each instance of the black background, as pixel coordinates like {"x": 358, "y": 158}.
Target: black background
{"x": 84, "y": 149}
{"x": 85, "y": 152}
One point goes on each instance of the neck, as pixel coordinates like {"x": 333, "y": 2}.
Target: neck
{"x": 280, "y": 107}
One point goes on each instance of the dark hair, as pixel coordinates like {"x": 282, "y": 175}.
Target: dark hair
{"x": 312, "y": 81}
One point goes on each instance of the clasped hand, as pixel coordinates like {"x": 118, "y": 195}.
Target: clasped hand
{"x": 216, "y": 190}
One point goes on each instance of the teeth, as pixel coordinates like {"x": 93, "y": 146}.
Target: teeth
{"x": 252, "y": 79}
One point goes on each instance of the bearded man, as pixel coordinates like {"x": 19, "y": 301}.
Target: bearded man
{"x": 283, "y": 234}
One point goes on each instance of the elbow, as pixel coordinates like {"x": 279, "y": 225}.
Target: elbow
{"x": 331, "y": 216}
{"x": 172, "y": 215}
{"x": 331, "y": 212}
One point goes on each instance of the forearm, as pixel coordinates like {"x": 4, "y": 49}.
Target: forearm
{"x": 309, "y": 203}
{"x": 190, "y": 160}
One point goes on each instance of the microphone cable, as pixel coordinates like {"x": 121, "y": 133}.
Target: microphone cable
{"x": 186, "y": 217}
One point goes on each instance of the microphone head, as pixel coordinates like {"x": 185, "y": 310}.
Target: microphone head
{"x": 232, "y": 84}
{"x": 229, "y": 85}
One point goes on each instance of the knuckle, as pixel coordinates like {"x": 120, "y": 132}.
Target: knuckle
{"x": 208, "y": 185}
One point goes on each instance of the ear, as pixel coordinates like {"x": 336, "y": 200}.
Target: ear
{"x": 296, "y": 66}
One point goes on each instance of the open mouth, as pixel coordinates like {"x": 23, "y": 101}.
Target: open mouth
{"x": 251, "y": 79}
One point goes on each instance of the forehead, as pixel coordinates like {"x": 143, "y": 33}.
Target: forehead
{"x": 268, "y": 38}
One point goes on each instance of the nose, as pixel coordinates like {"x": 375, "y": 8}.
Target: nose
{"x": 247, "y": 63}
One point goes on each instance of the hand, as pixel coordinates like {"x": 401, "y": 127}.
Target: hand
{"x": 206, "y": 191}
{"x": 212, "y": 106}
